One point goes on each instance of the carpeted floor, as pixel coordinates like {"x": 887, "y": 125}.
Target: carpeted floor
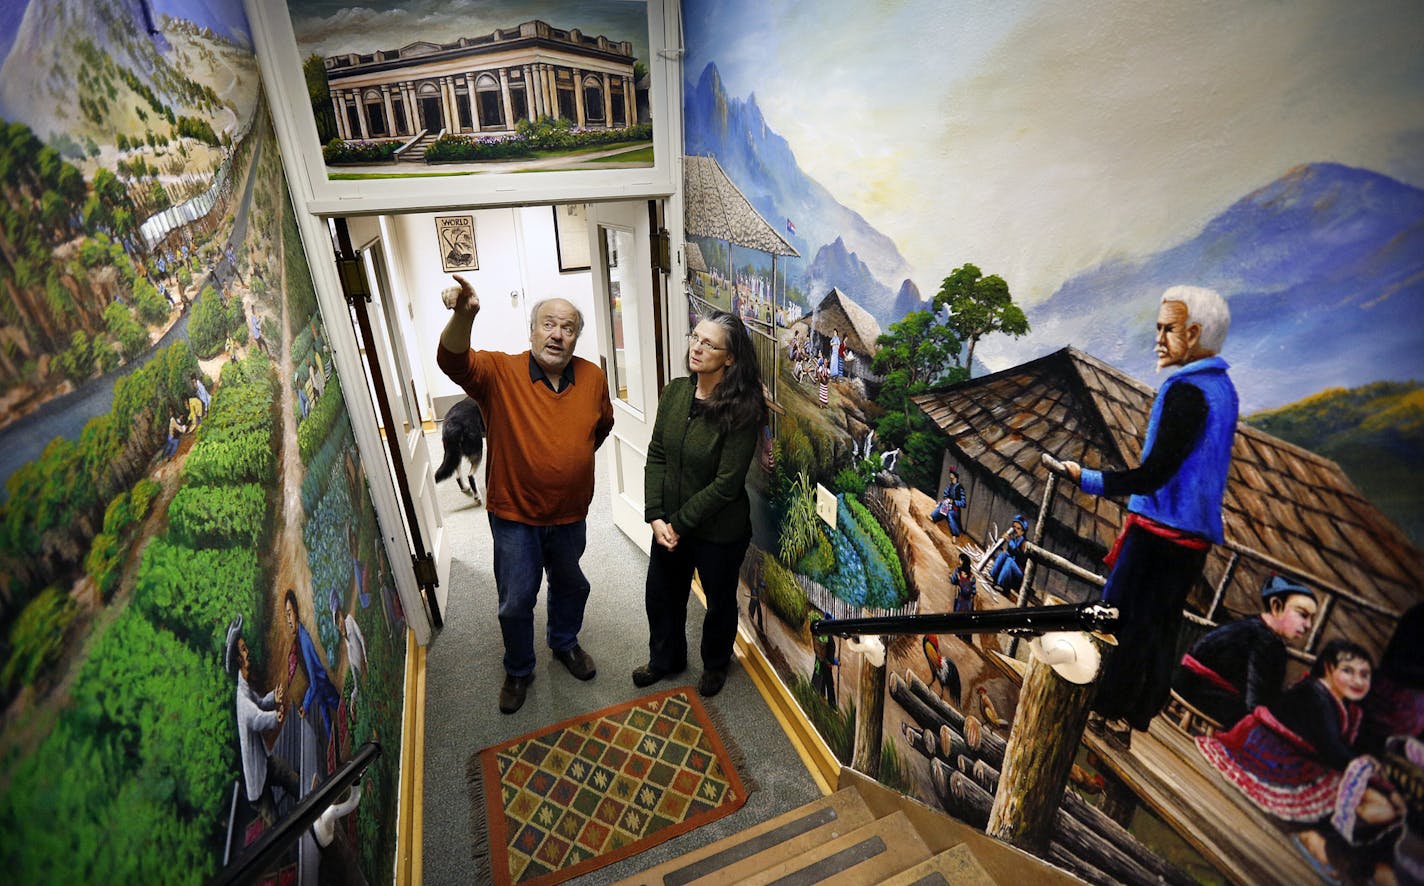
{"x": 463, "y": 675}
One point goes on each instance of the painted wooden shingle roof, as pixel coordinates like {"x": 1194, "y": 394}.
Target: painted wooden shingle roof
{"x": 1286, "y": 508}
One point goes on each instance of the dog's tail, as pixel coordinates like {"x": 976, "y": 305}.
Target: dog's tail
{"x": 448, "y": 466}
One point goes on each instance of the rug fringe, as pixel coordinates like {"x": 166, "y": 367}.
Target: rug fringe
{"x": 734, "y": 750}
{"x": 479, "y": 823}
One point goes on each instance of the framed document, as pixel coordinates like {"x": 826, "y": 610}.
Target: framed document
{"x": 571, "y": 236}
{"x": 456, "y": 236}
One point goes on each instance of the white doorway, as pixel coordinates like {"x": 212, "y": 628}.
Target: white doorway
{"x": 392, "y": 337}
{"x": 628, "y": 304}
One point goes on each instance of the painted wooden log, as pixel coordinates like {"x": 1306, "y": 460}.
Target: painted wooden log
{"x": 870, "y": 718}
{"x": 1048, "y": 727}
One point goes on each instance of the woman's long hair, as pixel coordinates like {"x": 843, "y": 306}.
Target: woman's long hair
{"x": 737, "y": 400}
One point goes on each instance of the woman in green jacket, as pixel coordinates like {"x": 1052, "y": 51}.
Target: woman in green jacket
{"x": 706, "y": 433}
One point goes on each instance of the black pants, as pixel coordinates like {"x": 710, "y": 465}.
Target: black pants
{"x": 1149, "y": 585}
{"x": 668, "y": 587}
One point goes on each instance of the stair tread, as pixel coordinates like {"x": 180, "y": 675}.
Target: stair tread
{"x": 956, "y": 865}
{"x": 776, "y": 839}
{"x": 867, "y": 855}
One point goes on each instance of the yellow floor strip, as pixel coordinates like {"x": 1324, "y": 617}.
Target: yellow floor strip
{"x": 411, "y": 815}
{"x": 815, "y": 754}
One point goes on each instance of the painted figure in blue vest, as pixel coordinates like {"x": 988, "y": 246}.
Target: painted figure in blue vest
{"x": 1008, "y": 570}
{"x": 836, "y": 353}
{"x": 951, "y": 505}
{"x": 1174, "y": 509}
{"x": 320, "y": 691}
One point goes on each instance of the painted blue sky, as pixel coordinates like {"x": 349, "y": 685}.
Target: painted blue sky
{"x": 1042, "y": 137}
{"x": 11, "y": 12}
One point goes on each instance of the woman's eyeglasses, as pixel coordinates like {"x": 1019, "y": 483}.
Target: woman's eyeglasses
{"x": 696, "y": 341}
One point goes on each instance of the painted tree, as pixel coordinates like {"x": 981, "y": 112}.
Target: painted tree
{"x": 919, "y": 352}
{"x": 978, "y": 306}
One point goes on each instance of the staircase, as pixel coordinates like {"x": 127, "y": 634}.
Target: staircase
{"x": 415, "y": 152}
{"x": 862, "y": 834}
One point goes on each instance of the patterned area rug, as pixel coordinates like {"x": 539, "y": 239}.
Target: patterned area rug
{"x": 584, "y": 793}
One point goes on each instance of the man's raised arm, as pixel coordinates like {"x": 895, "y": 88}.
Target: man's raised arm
{"x": 464, "y": 304}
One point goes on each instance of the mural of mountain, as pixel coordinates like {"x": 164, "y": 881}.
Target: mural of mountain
{"x": 1375, "y": 433}
{"x": 103, "y": 50}
{"x": 835, "y": 266}
{"x": 907, "y": 299}
{"x": 762, "y": 165}
{"x": 37, "y": 82}
{"x": 1324, "y": 272}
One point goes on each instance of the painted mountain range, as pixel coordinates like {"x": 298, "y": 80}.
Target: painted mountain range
{"x": 838, "y": 246}
{"x": 1323, "y": 268}
{"x": 1324, "y": 272}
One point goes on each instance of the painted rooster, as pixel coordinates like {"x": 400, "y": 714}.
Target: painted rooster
{"x": 1086, "y": 781}
{"x": 942, "y": 669}
{"x": 988, "y": 712}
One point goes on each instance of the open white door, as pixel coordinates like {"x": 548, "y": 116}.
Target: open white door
{"x": 406, "y": 440}
{"x": 626, "y": 314}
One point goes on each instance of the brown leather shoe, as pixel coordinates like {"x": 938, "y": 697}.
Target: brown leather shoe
{"x": 579, "y": 663}
{"x": 511, "y": 694}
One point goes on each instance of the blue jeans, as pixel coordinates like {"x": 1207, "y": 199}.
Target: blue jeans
{"x": 523, "y": 555}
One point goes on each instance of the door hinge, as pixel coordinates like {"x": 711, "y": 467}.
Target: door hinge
{"x": 425, "y": 574}
{"x": 353, "y": 279}
{"x": 662, "y": 251}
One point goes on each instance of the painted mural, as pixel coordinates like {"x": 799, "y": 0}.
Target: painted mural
{"x": 401, "y": 88}
{"x": 950, "y": 231}
{"x": 199, "y": 624}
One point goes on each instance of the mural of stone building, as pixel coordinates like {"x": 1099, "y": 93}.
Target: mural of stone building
{"x": 484, "y": 84}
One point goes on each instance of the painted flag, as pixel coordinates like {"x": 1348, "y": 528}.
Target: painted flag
{"x": 790, "y": 228}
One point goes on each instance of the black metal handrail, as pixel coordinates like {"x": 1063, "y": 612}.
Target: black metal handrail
{"x": 251, "y": 864}
{"x": 1023, "y": 621}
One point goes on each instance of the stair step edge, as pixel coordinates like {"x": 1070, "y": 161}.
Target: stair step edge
{"x": 834, "y": 814}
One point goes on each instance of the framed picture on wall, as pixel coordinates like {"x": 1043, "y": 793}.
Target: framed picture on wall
{"x": 571, "y": 236}
{"x": 456, "y": 236}
{"x": 459, "y": 106}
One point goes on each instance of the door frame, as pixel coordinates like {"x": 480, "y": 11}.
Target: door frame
{"x": 394, "y": 334}
{"x": 627, "y": 445}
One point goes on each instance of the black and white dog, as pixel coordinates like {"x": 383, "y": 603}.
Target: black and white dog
{"x": 463, "y": 436}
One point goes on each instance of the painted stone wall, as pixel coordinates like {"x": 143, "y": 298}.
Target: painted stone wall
{"x": 986, "y": 206}
{"x": 199, "y": 621}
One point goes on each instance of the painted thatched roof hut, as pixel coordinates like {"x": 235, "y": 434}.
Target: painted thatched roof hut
{"x": 695, "y": 262}
{"x": 716, "y": 208}
{"x": 1287, "y": 510}
{"x": 839, "y": 312}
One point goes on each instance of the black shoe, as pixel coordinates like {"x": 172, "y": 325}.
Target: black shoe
{"x": 647, "y": 675}
{"x": 1097, "y": 723}
{"x": 1119, "y": 734}
{"x": 712, "y": 682}
{"x": 511, "y": 694}
{"x": 579, "y": 663}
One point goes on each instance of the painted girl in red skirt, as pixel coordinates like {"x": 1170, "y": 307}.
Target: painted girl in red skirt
{"x": 1290, "y": 758}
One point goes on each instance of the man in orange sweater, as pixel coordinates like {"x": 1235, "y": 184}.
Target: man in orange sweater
{"x": 546, "y": 411}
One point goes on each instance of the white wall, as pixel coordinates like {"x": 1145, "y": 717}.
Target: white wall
{"x": 518, "y": 266}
